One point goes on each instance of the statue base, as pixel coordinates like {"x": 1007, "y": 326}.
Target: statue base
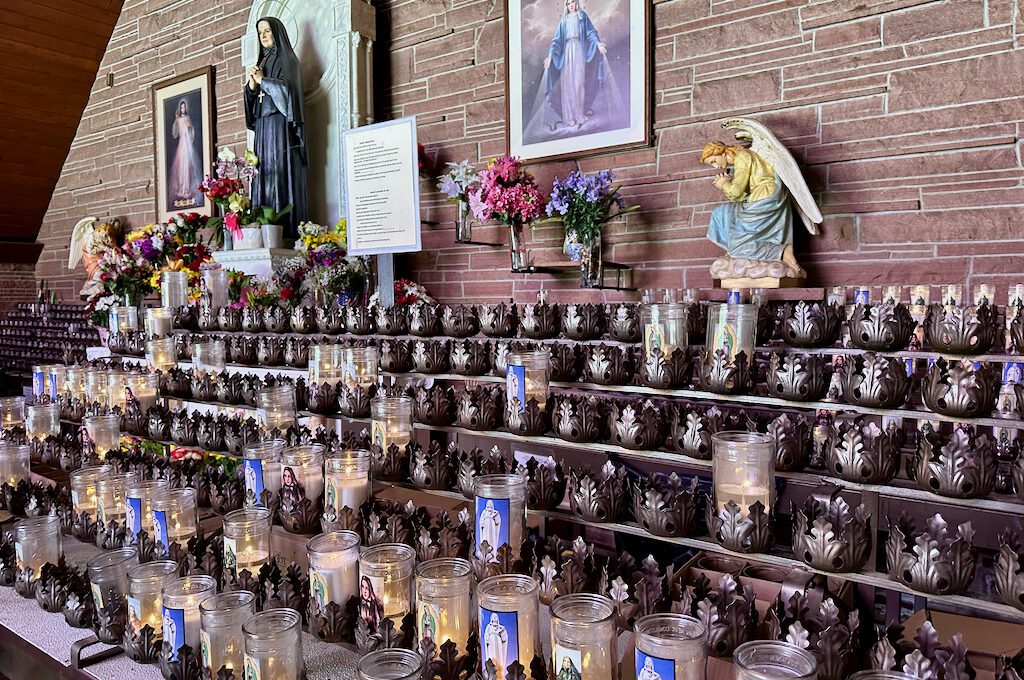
{"x": 254, "y": 261}
{"x": 739, "y": 272}
{"x": 762, "y": 282}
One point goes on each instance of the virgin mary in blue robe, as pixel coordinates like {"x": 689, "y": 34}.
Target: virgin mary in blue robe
{"x": 576, "y": 69}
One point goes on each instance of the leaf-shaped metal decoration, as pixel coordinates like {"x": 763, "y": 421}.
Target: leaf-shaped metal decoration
{"x": 861, "y": 452}
{"x": 962, "y": 329}
{"x": 637, "y": 425}
{"x": 599, "y": 497}
{"x": 881, "y": 327}
{"x": 797, "y": 377}
{"x": 1009, "y": 572}
{"x": 960, "y": 389}
{"x": 607, "y": 365}
{"x": 960, "y": 465}
{"x": 933, "y": 561}
{"x": 722, "y": 374}
{"x": 811, "y": 324}
{"x": 740, "y": 530}
{"x": 873, "y": 380}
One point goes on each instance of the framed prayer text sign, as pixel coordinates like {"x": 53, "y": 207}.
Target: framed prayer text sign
{"x": 578, "y": 76}
{"x": 183, "y": 142}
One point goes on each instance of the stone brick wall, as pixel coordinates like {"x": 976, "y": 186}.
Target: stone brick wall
{"x": 905, "y": 114}
{"x": 17, "y": 284}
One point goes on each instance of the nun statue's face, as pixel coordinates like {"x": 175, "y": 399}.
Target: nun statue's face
{"x": 266, "y": 35}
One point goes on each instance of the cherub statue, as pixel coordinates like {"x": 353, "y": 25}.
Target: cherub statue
{"x": 88, "y": 243}
{"x": 756, "y": 226}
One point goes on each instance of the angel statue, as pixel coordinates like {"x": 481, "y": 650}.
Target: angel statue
{"x": 763, "y": 185}
{"x": 88, "y": 243}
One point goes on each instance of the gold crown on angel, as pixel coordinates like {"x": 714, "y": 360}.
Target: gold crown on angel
{"x": 764, "y": 186}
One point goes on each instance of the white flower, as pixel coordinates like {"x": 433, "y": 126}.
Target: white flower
{"x": 226, "y": 155}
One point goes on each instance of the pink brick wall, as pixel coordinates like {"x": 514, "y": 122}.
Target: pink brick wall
{"x": 905, "y": 114}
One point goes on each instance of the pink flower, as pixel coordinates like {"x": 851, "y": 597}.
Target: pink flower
{"x": 231, "y": 222}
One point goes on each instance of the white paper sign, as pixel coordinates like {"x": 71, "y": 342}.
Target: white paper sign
{"x": 381, "y": 164}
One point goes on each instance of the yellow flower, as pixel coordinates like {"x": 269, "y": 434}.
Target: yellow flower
{"x": 237, "y": 202}
{"x": 342, "y": 230}
{"x": 173, "y": 265}
{"x": 250, "y": 158}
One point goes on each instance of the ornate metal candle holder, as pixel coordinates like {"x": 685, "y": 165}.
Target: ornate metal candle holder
{"x": 881, "y": 327}
{"x": 354, "y": 401}
{"x": 599, "y": 497}
{"x": 434, "y": 405}
{"x": 389, "y": 464}
{"x": 179, "y": 383}
{"x": 1009, "y": 569}
{"x": 935, "y": 561}
{"x": 480, "y": 407}
{"x": 186, "y": 317}
{"x": 183, "y": 345}
{"x": 445, "y": 662}
{"x": 498, "y": 320}
{"x": 333, "y": 622}
{"x": 830, "y": 535}
{"x": 565, "y": 363}
{"x": 665, "y": 505}
{"x": 746, "y": 530}
{"x": 958, "y": 389}
{"x": 874, "y": 381}
{"x": 638, "y": 425}
{"x": 330, "y": 319}
{"x": 960, "y": 465}
{"x": 204, "y": 387}
{"x": 534, "y": 418}
{"x": 443, "y": 535}
{"x": 226, "y": 491}
{"x": 861, "y": 452}
{"x": 392, "y": 320}
{"x": 729, "y": 612}
{"x": 210, "y": 432}
{"x": 83, "y": 527}
{"x": 252, "y": 320}
{"x": 389, "y": 522}
{"x": 624, "y": 323}
{"x": 545, "y": 483}
{"x": 432, "y": 468}
{"x": 793, "y": 443}
{"x": 386, "y": 635}
{"x": 302, "y": 319}
{"x": 360, "y": 320}
{"x": 459, "y": 321}
{"x": 671, "y": 372}
{"x": 721, "y": 374}
{"x": 580, "y": 418}
{"x": 431, "y": 356}
{"x": 798, "y": 377}
{"x": 566, "y": 568}
{"x": 51, "y": 590}
{"x": 276, "y": 319}
{"x": 296, "y": 352}
{"x": 142, "y": 646}
{"x": 323, "y": 398}
{"x": 607, "y": 365}
{"x": 230, "y": 389}
{"x": 425, "y": 320}
{"x": 229, "y": 319}
{"x": 690, "y": 429}
{"x": 476, "y": 462}
{"x": 811, "y": 324}
{"x": 540, "y": 321}
{"x": 240, "y": 433}
{"x": 395, "y": 356}
{"x": 583, "y": 321}
{"x": 470, "y": 357}
{"x": 270, "y": 349}
{"x": 922, "y": 657}
{"x": 962, "y": 329}
{"x": 79, "y": 607}
{"x": 1017, "y": 332}
{"x": 188, "y": 666}
{"x": 826, "y": 631}
{"x": 301, "y": 516}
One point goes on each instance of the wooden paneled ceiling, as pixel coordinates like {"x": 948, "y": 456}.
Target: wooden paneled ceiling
{"x": 52, "y": 52}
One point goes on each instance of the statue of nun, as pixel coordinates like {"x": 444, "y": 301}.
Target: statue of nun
{"x": 273, "y": 111}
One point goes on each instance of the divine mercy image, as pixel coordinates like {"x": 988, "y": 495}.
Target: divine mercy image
{"x": 183, "y": 139}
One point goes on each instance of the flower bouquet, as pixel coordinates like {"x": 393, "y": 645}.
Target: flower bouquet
{"x": 312, "y": 235}
{"x": 186, "y": 226}
{"x": 509, "y": 194}
{"x": 456, "y": 184}
{"x": 584, "y": 204}
{"x": 322, "y": 270}
{"x": 406, "y": 293}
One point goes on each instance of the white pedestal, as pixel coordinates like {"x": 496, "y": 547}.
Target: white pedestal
{"x": 259, "y": 262}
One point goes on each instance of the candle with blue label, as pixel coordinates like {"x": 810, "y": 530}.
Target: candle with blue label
{"x": 526, "y": 378}
{"x": 174, "y": 517}
{"x": 500, "y": 514}
{"x": 138, "y": 510}
{"x": 180, "y": 611}
{"x": 261, "y": 468}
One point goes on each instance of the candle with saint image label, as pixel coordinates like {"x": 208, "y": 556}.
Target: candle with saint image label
{"x": 138, "y": 510}
{"x": 347, "y": 480}
{"x": 175, "y": 519}
{"x": 145, "y": 592}
{"x": 221, "y": 619}
{"x": 672, "y": 646}
{"x": 666, "y": 327}
{"x": 108, "y": 575}
{"x": 83, "y": 488}
{"x": 180, "y": 611}
{"x": 583, "y": 636}
{"x": 246, "y": 540}
{"x": 444, "y": 589}
{"x": 526, "y": 378}
{"x": 385, "y": 582}
{"x": 500, "y": 504}
{"x": 273, "y": 645}
{"x": 302, "y": 473}
{"x": 391, "y": 422}
{"x": 333, "y": 568}
{"x": 360, "y": 366}
{"x": 743, "y": 469}
{"x": 731, "y": 329}
{"x": 104, "y": 433}
{"x": 261, "y": 468}
{"x": 507, "y": 618}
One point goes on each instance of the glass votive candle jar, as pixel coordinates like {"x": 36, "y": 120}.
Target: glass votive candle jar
{"x": 500, "y": 514}
{"x": 952, "y": 295}
{"x": 583, "y": 636}
{"x": 144, "y": 388}
{"x": 159, "y": 322}
{"x": 161, "y": 354}
{"x": 108, "y": 574}
{"x": 276, "y": 407}
{"x": 145, "y": 591}
{"x": 273, "y": 645}
{"x": 672, "y": 646}
{"x": 37, "y": 540}
{"x": 385, "y": 582}
{"x": 42, "y": 421}
{"x": 508, "y": 620}
{"x": 214, "y": 288}
{"x": 526, "y": 377}
{"x": 12, "y": 411}
{"x": 58, "y": 375}
{"x": 96, "y": 386}
{"x": 666, "y": 327}
{"x": 209, "y": 358}
{"x": 43, "y": 384}
{"x": 246, "y": 540}
{"x": 881, "y": 675}
{"x": 124, "y": 319}
{"x": 83, "y": 487}
{"x": 111, "y": 492}
{"x": 390, "y": 664}
{"x": 180, "y": 610}
{"x": 74, "y": 382}
{"x": 138, "y": 508}
{"x": 261, "y": 469}
{"x": 117, "y": 381}
{"x": 15, "y": 463}
{"x": 326, "y": 364}
{"x": 221, "y": 619}
{"x": 333, "y": 568}
{"x": 391, "y": 422}
{"x": 302, "y": 473}
{"x": 444, "y": 591}
{"x": 769, "y": 660}
{"x": 347, "y": 480}
{"x": 175, "y": 519}
{"x": 174, "y": 289}
{"x": 743, "y": 469}
{"x": 732, "y": 328}
{"x": 104, "y": 433}
{"x": 360, "y": 366}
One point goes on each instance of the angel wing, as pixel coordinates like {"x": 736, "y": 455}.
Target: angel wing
{"x": 768, "y": 147}
{"x": 80, "y": 235}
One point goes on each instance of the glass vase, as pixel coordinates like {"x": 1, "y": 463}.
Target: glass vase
{"x": 444, "y": 590}
{"x": 520, "y": 255}
{"x": 591, "y": 263}
{"x": 174, "y": 289}
{"x": 464, "y": 223}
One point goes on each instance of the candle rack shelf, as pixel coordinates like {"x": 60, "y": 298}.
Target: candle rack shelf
{"x": 622, "y": 272}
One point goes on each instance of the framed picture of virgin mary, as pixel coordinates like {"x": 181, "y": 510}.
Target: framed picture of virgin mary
{"x": 183, "y": 142}
{"x": 577, "y": 76}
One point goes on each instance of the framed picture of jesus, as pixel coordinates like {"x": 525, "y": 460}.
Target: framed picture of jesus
{"x": 183, "y": 142}
{"x": 577, "y": 77}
